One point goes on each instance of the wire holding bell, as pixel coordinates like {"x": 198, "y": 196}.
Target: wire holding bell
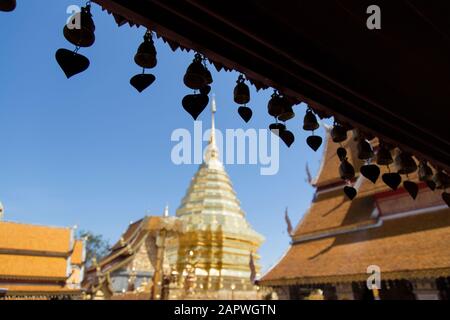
{"x": 145, "y": 57}
{"x": 241, "y": 95}
{"x": 80, "y": 31}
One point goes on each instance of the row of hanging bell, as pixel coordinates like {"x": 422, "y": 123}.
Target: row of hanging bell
{"x": 80, "y": 32}
{"x": 197, "y": 77}
{"x": 310, "y": 123}
{"x": 7, "y": 5}
{"x": 241, "y": 95}
{"x": 145, "y": 58}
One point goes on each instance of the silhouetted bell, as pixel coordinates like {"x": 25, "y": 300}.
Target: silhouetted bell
{"x": 84, "y": 35}
{"x": 350, "y": 192}
{"x": 338, "y": 133}
{"x": 7, "y": 5}
{"x": 425, "y": 172}
{"x": 241, "y": 91}
{"x": 392, "y": 180}
{"x": 287, "y": 112}
{"x": 384, "y": 156}
{"x": 194, "y": 104}
{"x": 275, "y": 105}
{"x": 341, "y": 153}
{"x": 405, "y": 163}
{"x": 208, "y": 76}
{"x": 441, "y": 180}
{"x": 277, "y": 128}
{"x": 346, "y": 170}
{"x": 287, "y": 137}
{"x": 365, "y": 150}
{"x": 71, "y": 62}
{"x": 195, "y": 77}
{"x": 245, "y": 113}
{"x": 146, "y": 54}
{"x": 310, "y": 121}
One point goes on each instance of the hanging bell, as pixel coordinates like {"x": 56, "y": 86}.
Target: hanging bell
{"x": 310, "y": 121}
{"x": 195, "y": 77}
{"x": 7, "y": 5}
{"x": 365, "y": 150}
{"x": 338, "y": 133}
{"x": 241, "y": 91}
{"x": 346, "y": 170}
{"x": 81, "y": 35}
{"x": 441, "y": 180}
{"x": 384, "y": 156}
{"x": 146, "y": 54}
{"x": 275, "y": 105}
{"x": 425, "y": 172}
{"x": 207, "y": 75}
{"x": 287, "y": 112}
{"x": 405, "y": 163}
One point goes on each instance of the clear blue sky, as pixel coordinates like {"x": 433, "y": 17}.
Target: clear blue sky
{"x": 91, "y": 151}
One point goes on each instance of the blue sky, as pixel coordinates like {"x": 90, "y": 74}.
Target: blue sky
{"x": 91, "y": 151}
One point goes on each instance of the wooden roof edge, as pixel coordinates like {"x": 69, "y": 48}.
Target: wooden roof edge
{"x": 33, "y": 278}
{"x": 334, "y": 279}
{"x": 38, "y": 253}
{"x": 331, "y": 232}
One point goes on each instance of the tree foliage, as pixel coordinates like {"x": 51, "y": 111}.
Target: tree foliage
{"x": 96, "y": 245}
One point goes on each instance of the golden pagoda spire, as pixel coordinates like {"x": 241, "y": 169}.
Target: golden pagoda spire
{"x": 212, "y": 152}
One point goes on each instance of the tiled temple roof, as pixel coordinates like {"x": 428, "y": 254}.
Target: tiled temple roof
{"x": 338, "y": 239}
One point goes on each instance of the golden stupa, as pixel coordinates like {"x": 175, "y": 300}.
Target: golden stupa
{"x": 215, "y": 254}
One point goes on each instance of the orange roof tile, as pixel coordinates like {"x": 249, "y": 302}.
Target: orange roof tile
{"x": 26, "y": 237}
{"x": 412, "y": 244}
{"x": 77, "y": 256}
{"x": 23, "y": 266}
{"x": 38, "y": 289}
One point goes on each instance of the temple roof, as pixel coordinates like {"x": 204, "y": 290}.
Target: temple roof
{"x": 20, "y": 236}
{"x": 42, "y": 254}
{"x": 337, "y": 239}
{"x": 415, "y": 246}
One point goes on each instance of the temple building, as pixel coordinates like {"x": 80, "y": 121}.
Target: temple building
{"x": 40, "y": 262}
{"x": 130, "y": 268}
{"x": 339, "y": 243}
{"x": 208, "y": 251}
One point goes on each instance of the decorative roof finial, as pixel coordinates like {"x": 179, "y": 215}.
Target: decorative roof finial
{"x": 212, "y": 152}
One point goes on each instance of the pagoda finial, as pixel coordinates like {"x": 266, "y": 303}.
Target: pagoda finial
{"x": 212, "y": 152}
{"x": 213, "y": 126}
